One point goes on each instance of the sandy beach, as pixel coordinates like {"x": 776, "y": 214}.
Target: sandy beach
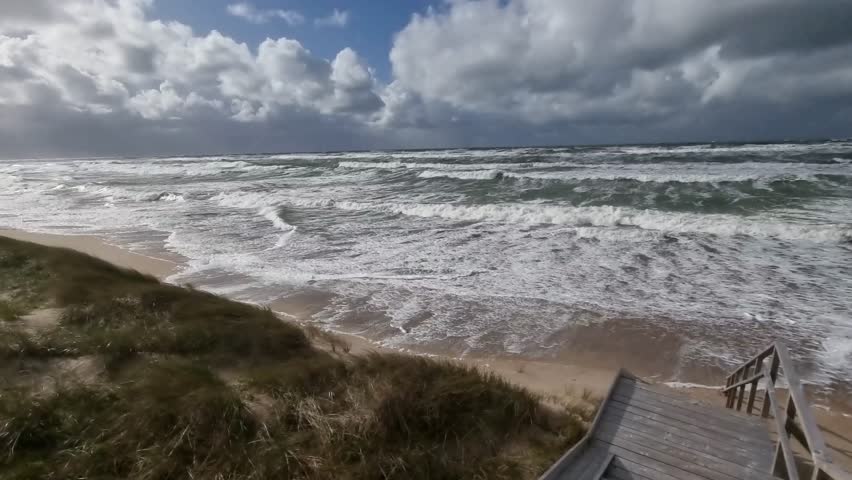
{"x": 543, "y": 377}
{"x": 592, "y": 371}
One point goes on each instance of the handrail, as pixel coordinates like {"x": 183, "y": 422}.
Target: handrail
{"x": 557, "y": 469}
{"x": 749, "y": 374}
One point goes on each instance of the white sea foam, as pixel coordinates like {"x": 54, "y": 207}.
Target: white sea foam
{"x": 604, "y": 216}
{"x": 271, "y": 214}
{"x": 462, "y": 175}
{"x": 687, "y": 385}
{"x": 161, "y": 197}
{"x": 442, "y": 259}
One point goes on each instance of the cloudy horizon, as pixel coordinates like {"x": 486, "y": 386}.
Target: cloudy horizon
{"x": 145, "y": 77}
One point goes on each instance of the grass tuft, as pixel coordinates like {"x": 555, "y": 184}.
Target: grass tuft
{"x": 198, "y": 386}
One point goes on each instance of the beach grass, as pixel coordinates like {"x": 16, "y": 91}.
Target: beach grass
{"x": 183, "y": 384}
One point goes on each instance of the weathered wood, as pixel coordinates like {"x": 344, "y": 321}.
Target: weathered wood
{"x": 773, "y": 376}
{"x": 642, "y": 471}
{"x": 650, "y": 434}
{"x": 742, "y": 387}
{"x": 733, "y": 449}
{"x": 687, "y": 405}
{"x": 642, "y": 432}
{"x": 708, "y": 460}
{"x": 665, "y": 463}
{"x": 692, "y": 425}
{"x": 618, "y": 472}
{"x": 742, "y": 383}
{"x": 695, "y": 415}
{"x": 557, "y": 469}
{"x": 752, "y": 395}
{"x": 603, "y": 467}
{"x": 740, "y": 455}
{"x": 802, "y": 408}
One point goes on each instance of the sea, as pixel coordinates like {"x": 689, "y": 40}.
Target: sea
{"x": 700, "y": 254}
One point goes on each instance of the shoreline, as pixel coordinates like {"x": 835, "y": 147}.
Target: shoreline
{"x": 98, "y": 247}
{"x": 555, "y": 380}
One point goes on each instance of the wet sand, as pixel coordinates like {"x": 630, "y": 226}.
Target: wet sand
{"x": 97, "y": 247}
{"x": 588, "y": 361}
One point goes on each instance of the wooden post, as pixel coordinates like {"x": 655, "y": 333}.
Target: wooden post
{"x": 732, "y": 395}
{"x": 753, "y": 393}
{"x": 741, "y": 390}
{"x": 728, "y": 383}
{"x": 773, "y": 375}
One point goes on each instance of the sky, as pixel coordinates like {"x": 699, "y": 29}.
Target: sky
{"x": 162, "y": 77}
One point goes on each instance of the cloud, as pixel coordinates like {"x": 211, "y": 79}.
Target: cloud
{"x": 248, "y": 12}
{"x": 622, "y": 62}
{"x": 83, "y": 77}
{"x": 109, "y": 64}
{"x": 337, "y": 18}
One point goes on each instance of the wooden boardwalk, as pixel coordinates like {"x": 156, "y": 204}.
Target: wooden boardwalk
{"x": 647, "y": 432}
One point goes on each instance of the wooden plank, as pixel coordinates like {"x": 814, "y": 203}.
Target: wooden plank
{"x": 752, "y": 395}
{"x": 742, "y": 460}
{"x": 783, "y": 452}
{"x": 765, "y": 353}
{"x": 587, "y": 466}
{"x": 741, "y": 383}
{"x": 624, "y": 469}
{"x": 664, "y": 464}
{"x": 698, "y": 419}
{"x": 618, "y": 415}
{"x": 773, "y": 376}
{"x": 654, "y": 404}
{"x": 689, "y": 405}
{"x": 733, "y": 451}
{"x": 616, "y": 472}
{"x": 742, "y": 388}
{"x": 602, "y": 468}
{"x": 733, "y": 394}
{"x": 754, "y": 424}
{"x": 693, "y": 425}
{"x": 712, "y": 462}
{"x": 555, "y": 470}
{"x": 797, "y": 395}
{"x": 666, "y": 394}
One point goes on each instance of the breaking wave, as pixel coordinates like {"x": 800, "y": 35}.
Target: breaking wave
{"x": 595, "y": 216}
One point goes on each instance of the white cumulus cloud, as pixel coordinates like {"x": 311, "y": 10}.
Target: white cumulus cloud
{"x": 106, "y": 76}
{"x": 337, "y": 18}
{"x": 624, "y": 60}
{"x": 250, "y": 13}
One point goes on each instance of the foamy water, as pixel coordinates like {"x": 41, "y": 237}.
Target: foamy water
{"x": 497, "y": 250}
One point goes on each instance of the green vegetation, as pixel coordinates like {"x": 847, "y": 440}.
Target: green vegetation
{"x": 190, "y": 385}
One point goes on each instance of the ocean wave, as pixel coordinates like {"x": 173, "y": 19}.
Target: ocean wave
{"x": 660, "y": 177}
{"x": 9, "y": 182}
{"x": 385, "y": 165}
{"x": 602, "y": 216}
{"x": 162, "y": 197}
{"x": 155, "y": 168}
{"x": 458, "y": 166}
{"x": 271, "y": 214}
{"x": 462, "y": 175}
{"x": 656, "y": 173}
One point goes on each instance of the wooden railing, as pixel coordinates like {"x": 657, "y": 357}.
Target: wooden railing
{"x": 795, "y": 420}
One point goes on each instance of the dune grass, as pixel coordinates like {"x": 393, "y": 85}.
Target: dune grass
{"x": 195, "y": 386}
